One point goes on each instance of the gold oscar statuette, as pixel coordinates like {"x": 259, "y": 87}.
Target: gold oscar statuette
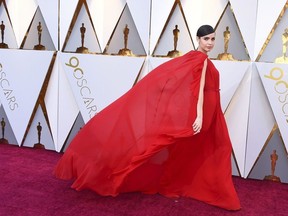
{"x": 39, "y": 131}
{"x": 283, "y": 58}
{"x": 3, "y": 124}
{"x": 39, "y": 46}
{"x": 226, "y": 55}
{"x": 125, "y": 51}
{"x": 175, "y": 53}
{"x": 82, "y": 49}
{"x": 272, "y": 177}
{"x": 2, "y": 44}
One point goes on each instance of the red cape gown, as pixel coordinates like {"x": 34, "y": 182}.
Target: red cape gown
{"x": 144, "y": 140}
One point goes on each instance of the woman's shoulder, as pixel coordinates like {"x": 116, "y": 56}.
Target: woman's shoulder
{"x": 196, "y": 53}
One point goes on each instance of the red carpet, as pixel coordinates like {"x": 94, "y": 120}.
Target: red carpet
{"x": 28, "y": 188}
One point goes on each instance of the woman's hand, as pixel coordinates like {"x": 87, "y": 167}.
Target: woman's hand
{"x": 197, "y": 125}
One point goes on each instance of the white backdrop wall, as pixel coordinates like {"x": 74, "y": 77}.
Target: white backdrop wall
{"x": 61, "y": 89}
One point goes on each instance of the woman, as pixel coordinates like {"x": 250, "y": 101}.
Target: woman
{"x": 166, "y": 135}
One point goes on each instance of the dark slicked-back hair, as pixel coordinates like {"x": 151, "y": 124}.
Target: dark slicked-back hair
{"x": 205, "y": 30}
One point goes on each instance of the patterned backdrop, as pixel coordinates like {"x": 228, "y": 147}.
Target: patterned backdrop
{"x": 55, "y": 75}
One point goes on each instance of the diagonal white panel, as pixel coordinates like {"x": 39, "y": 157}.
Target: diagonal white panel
{"x": 265, "y": 23}
{"x": 166, "y": 42}
{"x": 236, "y": 45}
{"x": 237, "y": 120}
{"x": 231, "y": 74}
{"x": 134, "y": 42}
{"x": 97, "y": 81}
{"x": 52, "y": 101}
{"x": 49, "y": 11}
{"x": 21, "y": 14}
{"x": 90, "y": 39}
{"x": 112, "y": 12}
{"x": 261, "y": 121}
{"x": 21, "y": 81}
{"x": 67, "y": 10}
{"x": 275, "y": 81}
{"x": 9, "y": 35}
{"x": 33, "y": 37}
{"x": 202, "y": 12}
{"x": 262, "y": 168}
{"x": 33, "y": 135}
{"x": 8, "y": 131}
{"x": 66, "y": 102}
{"x": 61, "y": 106}
{"x": 140, "y": 11}
{"x": 158, "y": 20}
{"x": 96, "y": 9}
{"x": 274, "y": 50}
{"x": 246, "y": 17}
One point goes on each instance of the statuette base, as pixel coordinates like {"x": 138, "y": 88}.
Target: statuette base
{"x": 174, "y": 53}
{"x": 272, "y": 178}
{"x": 39, "y": 146}
{"x": 4, "y": 45}
{"x": 225, "y": 56}
{"x": 82, "y": 50}
{"x": 39, "y": 47}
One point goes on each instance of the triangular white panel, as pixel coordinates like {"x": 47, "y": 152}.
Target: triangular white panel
{"x": 202, "y": 12}
{"x": 67, "y": 10}
{"x": 158, "y": 20}
{"x": 21, "y": 14}
{"x": 35, "y": 134}
{"x": 274, "y": 51}
{"x": 49, "y": 11}
{"x": 274, "y": 78}
{"x": 140, "y": 11}
{"x": 52, "y": 99}
{"x": 231, "y": 74}
{"x": 9, "y": 35}
{"x": 265, "y": 23}
{"x": 97, "y": 81}
{"x": 112, "y": 13}
{"x": 96, "y": 9}
{"x": 263, "y": 166}
{"x": 156, "y": 61}
{"x": 90, "y": 40}
{"x": 237, "y": 120}
{"x": 134, "y": 42}
{"x": 166, "y": 42}
{"x": 66, "y": 102}
{"x": 34, "y": 38}
{"x": 246, "y": 17}
{"x": 7, "y": 131}
{"x": 22, "y": 76}
{"x": 236, "y": 45}
{"x": 261, "y": 121}
{"x": 145, "y": 69}
{"x": 235, "y": 171}
{"x": 78, "y": 124}
{"x": 60, "y": 104}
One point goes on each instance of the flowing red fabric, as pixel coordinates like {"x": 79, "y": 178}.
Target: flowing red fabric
{"x": 144, "y": 140}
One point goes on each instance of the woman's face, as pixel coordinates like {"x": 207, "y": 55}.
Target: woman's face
{"x": 206, "y": 43}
